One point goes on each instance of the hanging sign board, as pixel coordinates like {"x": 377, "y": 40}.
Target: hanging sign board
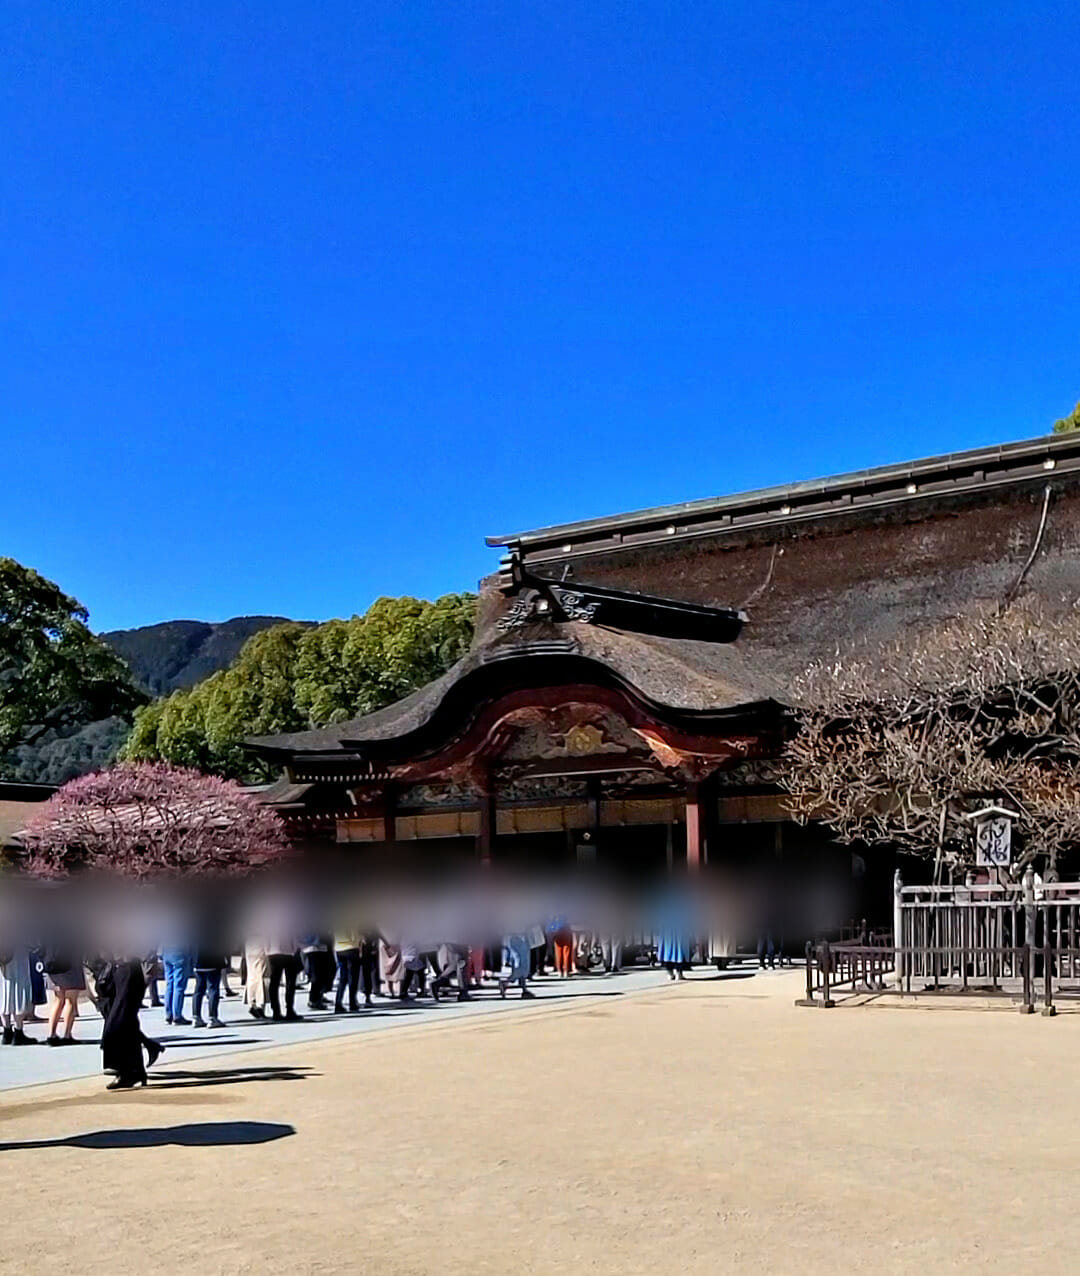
{"x": 586, "y": 853}
{"x": 993, "y": 836}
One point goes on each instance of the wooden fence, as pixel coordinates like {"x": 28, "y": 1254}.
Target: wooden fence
{"x": 1019, "y": 940}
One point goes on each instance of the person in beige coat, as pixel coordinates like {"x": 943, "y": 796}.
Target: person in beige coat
{"x": 257, "y": 966}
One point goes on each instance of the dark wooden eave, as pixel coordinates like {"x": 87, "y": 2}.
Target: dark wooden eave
{"x": 915, "y": 484}
{"x": 506, "y": 679}
{"x": 560, "y": 601}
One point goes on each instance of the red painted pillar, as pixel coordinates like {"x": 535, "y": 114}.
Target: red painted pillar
{"x": 694, "y": 829}
{"x": 389, "y": 814}
{"x": 486, "y": 840}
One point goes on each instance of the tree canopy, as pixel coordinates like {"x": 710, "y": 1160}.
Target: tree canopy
{"x": 54, "y": 673}
{"x": 292, "y": 677}
{"x": 1066, "y": 423}
{"x": 149, "y": 820}
{"x": 900, "y": 746}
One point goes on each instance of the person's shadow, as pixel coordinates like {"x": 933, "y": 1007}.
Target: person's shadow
{"x": 186, "y": 1079}
{"x": 200, "y": 1134}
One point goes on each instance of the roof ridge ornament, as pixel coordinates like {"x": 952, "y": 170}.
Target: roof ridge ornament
{"x": 540, "y": 599}
{"x": 575, "y": 606}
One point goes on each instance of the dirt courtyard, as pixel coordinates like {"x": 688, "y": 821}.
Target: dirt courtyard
{"x": 708, "y": 1127}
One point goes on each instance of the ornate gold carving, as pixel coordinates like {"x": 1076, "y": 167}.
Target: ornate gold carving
{"x": 583, "y": 739}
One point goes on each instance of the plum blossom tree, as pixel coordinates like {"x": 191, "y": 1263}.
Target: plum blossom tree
{"x": 898, "y": 746}
{"x": 148, "y": 820}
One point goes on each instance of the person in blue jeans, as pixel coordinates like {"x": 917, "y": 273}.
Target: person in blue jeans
{"x": 177, "y": 965}
{"x": 208, "y": 968}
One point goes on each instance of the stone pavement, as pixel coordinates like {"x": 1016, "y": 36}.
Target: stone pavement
{"x": 36, "y": 1065}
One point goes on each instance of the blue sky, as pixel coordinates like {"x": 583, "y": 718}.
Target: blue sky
{"x": 298, "y": 302}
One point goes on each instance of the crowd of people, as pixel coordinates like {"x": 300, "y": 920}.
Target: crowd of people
{"x": 180, "y": 958}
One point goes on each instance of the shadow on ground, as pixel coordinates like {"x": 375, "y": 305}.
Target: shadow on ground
{"x": 722, "y": 976}
{"x": 202, "y": 1134}
{"x": 184, "y": 1079}
{"x": 187, "y": 1043}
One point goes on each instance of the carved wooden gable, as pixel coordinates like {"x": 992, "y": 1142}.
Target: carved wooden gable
{"x": 570, "y": 731}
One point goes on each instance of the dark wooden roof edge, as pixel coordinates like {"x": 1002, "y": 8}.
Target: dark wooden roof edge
{"x": 630, "y": 612}
{"x": 909, "y": 482}
{"x": 25, "y": 791}
{"x": 459, "y": 699}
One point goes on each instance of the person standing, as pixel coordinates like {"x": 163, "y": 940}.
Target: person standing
{"x": 67, "y": 981}
{"x": 282, "y": 952}
{"x": 347, "y": 943}
{"x": 121, "y": 988}
{"x": 611, "y": 948}
{"x": 226, "y": 970}
{"x": 319, "y": 963}
{"x": 672, "y": 953}
{"x": 150, "y": 975}
{"x": 475, "y": 965}
{"x": 209, "y": 963}
{"x": 673, "y": 948}
{"x": 515, "y": 964}
{"x": 257, "y": 969}
{"x": 369, "y": 964}
{"x": 562, "y": 936}
{"x": 413, "y": 968}
{"x": 391, "y": 966}
{"x": 39, "y": 995}
{"x": 177, "y": 964}
{"x": 16, "y": 995}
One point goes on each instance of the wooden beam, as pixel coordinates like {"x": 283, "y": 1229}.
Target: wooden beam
{"x": 600, "y": 763}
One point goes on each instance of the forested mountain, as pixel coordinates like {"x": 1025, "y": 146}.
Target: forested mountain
{"x": 163, "y": 658}
{"x": 180, "y": 653}
{"x": 294, "y": 677}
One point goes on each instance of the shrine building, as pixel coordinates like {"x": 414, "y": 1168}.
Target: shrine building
{"x": 629, "y": 684}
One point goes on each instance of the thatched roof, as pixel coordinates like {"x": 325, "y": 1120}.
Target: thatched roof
{"x": 819, "y": 567}
{"x": 858, "y": 560}
{"x": 676, "y": 678}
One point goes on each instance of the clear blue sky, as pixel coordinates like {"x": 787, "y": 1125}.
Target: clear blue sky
{"x": 299, "y": 301}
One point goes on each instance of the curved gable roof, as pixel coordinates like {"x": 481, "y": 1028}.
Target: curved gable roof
{"x": 685, "y": 682}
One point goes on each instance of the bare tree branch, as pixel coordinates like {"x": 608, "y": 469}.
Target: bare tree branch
{"x": 898, "y": 747}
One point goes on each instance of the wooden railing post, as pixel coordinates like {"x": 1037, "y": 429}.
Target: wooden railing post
{"x": 1027, "y": 956}
{"x": 1048, "y": 983}
{"x": 1029, "y": 906}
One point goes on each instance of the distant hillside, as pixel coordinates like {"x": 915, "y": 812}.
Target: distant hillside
{"x": 162, "y": 658}
{"x": 180, "y": 653}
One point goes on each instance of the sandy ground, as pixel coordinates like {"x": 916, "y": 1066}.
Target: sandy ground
{"x": 709, "y": 1127}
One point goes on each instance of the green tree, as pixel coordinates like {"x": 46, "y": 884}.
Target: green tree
{"x": 347, "y": 668}
{"x": 1066, "y": 423}
{"x": 292, "y": 677}
{"x": 54, "y": 673}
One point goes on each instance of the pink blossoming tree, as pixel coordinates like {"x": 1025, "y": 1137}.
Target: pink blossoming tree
{"x": 149, "y": 820}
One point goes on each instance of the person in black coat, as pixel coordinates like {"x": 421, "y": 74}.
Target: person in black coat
{"x": 121, "y": 987}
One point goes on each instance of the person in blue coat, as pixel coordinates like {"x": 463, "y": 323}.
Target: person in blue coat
{"x": 515, "y": 963}
{"x": 673, "y": 946}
